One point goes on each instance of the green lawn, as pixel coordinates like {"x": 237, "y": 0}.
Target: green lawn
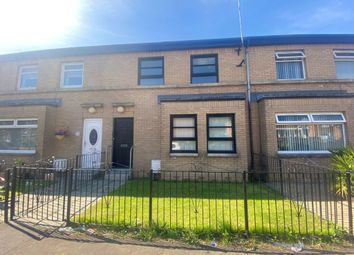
{"x": 2, "y": 194}
{"x": 200, "y": 206}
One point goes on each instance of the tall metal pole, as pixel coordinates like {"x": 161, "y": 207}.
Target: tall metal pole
{"x": 248, "y": 80}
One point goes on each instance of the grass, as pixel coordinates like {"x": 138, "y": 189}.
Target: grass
{"x": 208, "y": 208}
{"x": 2, "y": 194}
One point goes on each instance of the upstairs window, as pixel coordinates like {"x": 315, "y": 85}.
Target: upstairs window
{"x": 18, "y": 136}
{"x": 221, "y": 133}
{"x": 344, "y": 60}
{"x": 310, "y": 132}
{"x": 72, "y": 75}
{"x": 28, "y": 77}
{"x": 184, "y": 133}
{"x": 151, "y": 71}
{"x": 290, "y": 65}
{"x": 204, "y": 68}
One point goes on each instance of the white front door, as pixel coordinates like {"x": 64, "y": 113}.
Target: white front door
{"x": 92, "y": 143}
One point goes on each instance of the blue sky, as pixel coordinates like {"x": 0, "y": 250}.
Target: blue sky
{"x": 43, "y": 24}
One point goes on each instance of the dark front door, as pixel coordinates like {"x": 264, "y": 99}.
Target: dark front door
{"x": 123, "y": 129}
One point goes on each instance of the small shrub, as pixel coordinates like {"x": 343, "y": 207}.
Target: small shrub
{"x": 342, "y": 161}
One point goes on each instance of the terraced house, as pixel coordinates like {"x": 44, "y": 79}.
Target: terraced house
{"x": 212, "y": 102}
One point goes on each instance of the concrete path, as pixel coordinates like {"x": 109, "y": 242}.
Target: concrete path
{"x": 50, "y": 211}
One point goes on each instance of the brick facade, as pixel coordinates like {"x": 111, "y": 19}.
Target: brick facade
{"x": 113, "y": 78}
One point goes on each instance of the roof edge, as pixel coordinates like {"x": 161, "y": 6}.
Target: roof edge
{"x": 260, "y": 96}
{"x": 201, "y": 97}
{"x": 251, "y": 41}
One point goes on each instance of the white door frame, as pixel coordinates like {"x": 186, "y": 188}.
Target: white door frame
{"x": 93, "y": 161}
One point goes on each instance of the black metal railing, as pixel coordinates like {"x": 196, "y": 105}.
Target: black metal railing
{"x": 278, "y": 197}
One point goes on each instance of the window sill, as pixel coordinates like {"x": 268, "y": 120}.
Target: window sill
{"x": 27, "y": 89}
{"x": 183, "y": 154}
{"x": 71, "y": 87}
{"x": 18, "y": 152}
{"x": 287, "y": 80}
{"x": 151, "y": 86}
{"x": 307, "y": 154}
{"x": 205, "y": 83}
{"x": 223, "y": 155}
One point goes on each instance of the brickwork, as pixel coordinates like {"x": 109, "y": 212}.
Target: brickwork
{"x": 268, "y": 109}
{"x": 319, "y": 61}
{"x": 204, "y": 160}
{"x": 113, "y": 78}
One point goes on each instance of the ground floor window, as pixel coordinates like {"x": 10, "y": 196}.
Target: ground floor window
{"x": 221, "y": 133}
{"x": 18, "y": 135}
{"x": 310, "y": 132}
{"x": 184, "y": 133}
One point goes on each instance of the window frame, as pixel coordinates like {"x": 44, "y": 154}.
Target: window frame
{"x": 19, "y": 87}
{"x": 290, "y": 59}
{"x": 328, "y": 121}
{"x": 63, "y": 65}
{"x": 192, "y": 75}
{"x": 16, "y": 126}
{"x": 311, "y": 122}
{"x": 310, "y": 116}
{"x": 342, "y": 59}
{"x": 172, "y": 138}
{"x": 140, "y": 76}
{"x": 233, "y": 138}
{"x": 292, "y": 122}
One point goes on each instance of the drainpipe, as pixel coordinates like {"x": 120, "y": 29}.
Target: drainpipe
{"x": 249, "y": 101}
{"x": 248, "y": 88}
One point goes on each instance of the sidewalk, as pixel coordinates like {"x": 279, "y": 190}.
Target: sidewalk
{"x": 14, "y": 241}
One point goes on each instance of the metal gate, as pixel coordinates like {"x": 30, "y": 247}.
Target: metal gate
{"x": 37, "y": 193}
{"x": 57, "y": 194}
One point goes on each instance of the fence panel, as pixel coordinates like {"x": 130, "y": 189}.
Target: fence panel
{"x": 38, "y": 193}
{"x": 278, "y": 198}
{"x": 304, "y": 203}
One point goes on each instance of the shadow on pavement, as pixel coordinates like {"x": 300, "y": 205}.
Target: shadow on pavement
{"x": 39, "y": 230}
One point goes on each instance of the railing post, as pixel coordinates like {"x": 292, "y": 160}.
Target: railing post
{"x": 350, "y": 205}
{"x": 13, "y": 193}
{"x": 245, "y": 201}
{"x": 150, "y": 198}
{"x": 7, "y": 191}
{"x": 65, "y": 191}
{"x": 70, "y": 184}
{"x": 281, "y": 177}
{"x": 77, "y": 162}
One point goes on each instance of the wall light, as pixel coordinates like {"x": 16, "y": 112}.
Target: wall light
{"x": 91, "y": 109}
{"x": 120, "y": 109}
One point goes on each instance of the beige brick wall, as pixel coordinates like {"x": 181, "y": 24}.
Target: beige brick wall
{"x": 146, "y": 114}
{"x": 38, "y": 112}
{"x": 268, "y": 109}
{"x": 319, "y": 61}
{"x": 203, "y": 160}
{"x": 120, "y": 71}
{"x": 113, "y": 78}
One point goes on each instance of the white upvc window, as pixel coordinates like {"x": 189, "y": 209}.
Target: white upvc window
{"x": 310, "y": 132}
{"x": 290, "y": 65}
{"x": 18, "y": 136}
{"x": 72, "y": 75}
{"x": 28, "y": 77}
{"x": 344, "y": 60}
